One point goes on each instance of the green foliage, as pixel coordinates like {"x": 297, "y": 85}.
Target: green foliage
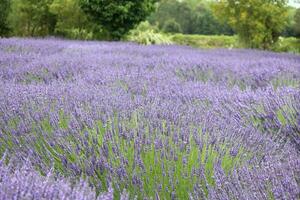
{"x": 289, "y": 30}
{"x": 171, "y": 26}
{"x": 146, "y": 34}
{"x": 207, "y": 24}
{"x": 203, "y": 41}
{"x": 4, "y": 10}
{"x": 169, "y": 9}
{"x": 258, "y": 23}
{"x": 71, "y": 21}
{"x": 297, "y": 22}
{"x": 32, "y": 18}
{"x": 290, "y": 44}
{"x": 68, "y": 14}
{"x": 194, "y": 17}
{"x": 118, "y": 17}
{"x": 78, "y": 34}
{"x": 52, "y": 17}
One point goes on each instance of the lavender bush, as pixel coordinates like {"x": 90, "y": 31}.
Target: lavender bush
{"x": 25, "y": 183}
{"x": 158, "y": 122}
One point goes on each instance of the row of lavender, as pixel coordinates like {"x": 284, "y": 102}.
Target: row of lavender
{"x": 23, "y": 182}
{"x": 161, "y": 122}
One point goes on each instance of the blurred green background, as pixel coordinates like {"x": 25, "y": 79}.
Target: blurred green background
{"x": 271, "y": 25}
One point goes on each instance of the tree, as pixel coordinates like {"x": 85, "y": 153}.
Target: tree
{"x": 258, "y": 23}
{"x": 68, "y": 14}
{"x": 32, "y": 18}
{"x": 205, "y": 23}
{"x": 71, "y": 21}
{"x": 289, "y": 30}
{"x": 167, "y": 10}
{"x": 193, "y": 16}
{"x": 4, "y": 10}
{"x": 297, "y": 22}
{"x": 171, "y": 26}
{"x": 118, "y": 16}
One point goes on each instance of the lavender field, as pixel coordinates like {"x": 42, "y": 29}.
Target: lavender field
{"x": 104, "y": 120}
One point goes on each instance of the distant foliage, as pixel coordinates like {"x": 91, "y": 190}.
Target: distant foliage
{"x": 4, "y": 10}
{"x": 63, "y": 18}
{"x": 71, "y": 21}
{"x": 258, "y": 23}
{"x": 192, "y": 16}
{"x": 289, "y": 29}
{"x": 174, "y": 10}
{"x": 146, "y": 34}
{"x": 117, "y": 17}
{"x": 290, "y": 44}
{"x": 206, "y": 41}
{"x": 297, "y": 22}
{"x": 78, "y": 34}
{"x": 171, "y": 26}
{"x": 32, "y": 18}
{"x": 205, "y": 23}
{"x": 112, "y": 20}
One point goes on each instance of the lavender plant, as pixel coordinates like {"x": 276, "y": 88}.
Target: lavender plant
{"x": 23, "y": 182}
{"x": 158, "y": 122}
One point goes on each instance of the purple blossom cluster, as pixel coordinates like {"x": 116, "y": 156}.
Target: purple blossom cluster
{"x": 160, "y": 122}
{"x": 24, "y": 182}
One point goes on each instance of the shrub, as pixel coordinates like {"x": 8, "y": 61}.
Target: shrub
{"x": 289, "y": 44}
{"x": 146, "y": 34}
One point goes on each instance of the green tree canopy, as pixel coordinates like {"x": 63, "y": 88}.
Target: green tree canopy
{"x": 71, "y": 21}
{"x": 118, "y": 16}
{"x": 32, "y": 17}
{"x": 205, "y": 23}
{"x": 68, "y": 14}
{"x": 193, "y": 16}
{"x": 171, "y": 26}
{"x": 258, "y": 23}
{"x": 297, "y": 22}
{"x": 168, "y": 10}
{"x": 4, "y": 10}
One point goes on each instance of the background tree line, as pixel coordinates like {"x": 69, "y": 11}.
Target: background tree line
{"x": 188, "y": 17}
{"x": 257, "y": 23}
{"x": 75, "y": 19}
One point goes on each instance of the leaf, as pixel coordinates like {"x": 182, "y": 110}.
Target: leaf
{"x": 281, "y": 118}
